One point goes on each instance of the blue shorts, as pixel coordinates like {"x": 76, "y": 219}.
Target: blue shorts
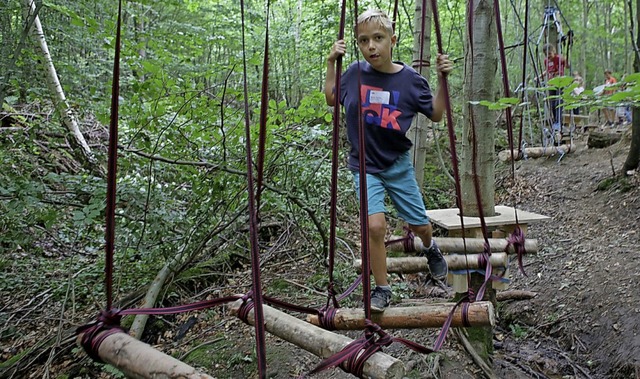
{"x": 399, "y": 181}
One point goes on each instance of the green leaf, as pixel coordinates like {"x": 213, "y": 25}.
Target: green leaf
{"x": 561, "y": 81}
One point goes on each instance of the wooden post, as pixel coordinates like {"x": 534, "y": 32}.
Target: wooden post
{"x": 320, "y": 342}
{"x": 414, "y": 265}
{"x": 138, "y": 360}
{"x": 480, "y": 313}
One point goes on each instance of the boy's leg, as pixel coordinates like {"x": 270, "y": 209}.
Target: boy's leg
{"x": 400, "y": 182}
{"x": 381, "y": 293}
{"x": 377, "y": 250}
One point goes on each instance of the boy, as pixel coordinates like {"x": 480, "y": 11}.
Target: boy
{"x": 391, "y": 93}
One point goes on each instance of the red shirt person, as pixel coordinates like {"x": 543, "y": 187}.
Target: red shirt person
{"x": 554, "y": 66}
{"x": 553, "y": 62}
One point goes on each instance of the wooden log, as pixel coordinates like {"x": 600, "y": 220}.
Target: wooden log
{"x": 536, "y": 152}
{"x": 321, "y": 342}
{"x": 473, "y": 245}
{"x": 414, "y": 265}
{"x": 138, "y": 360}
{"x": 480, "y": 313}
{"x": 600, "y": 139}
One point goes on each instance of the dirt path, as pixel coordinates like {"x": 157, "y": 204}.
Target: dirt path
{"x": 586, "y": 318}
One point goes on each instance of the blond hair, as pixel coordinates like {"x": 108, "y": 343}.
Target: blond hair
{"x": 376, "y": 16}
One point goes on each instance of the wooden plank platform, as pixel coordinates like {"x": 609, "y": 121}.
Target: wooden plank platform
{"x": 450, "y": 218}
{"x": 500, "y": 225}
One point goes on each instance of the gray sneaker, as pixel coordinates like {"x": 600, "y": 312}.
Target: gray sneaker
{"x": 437, "y": 263}
{"x": 380, "y": 299}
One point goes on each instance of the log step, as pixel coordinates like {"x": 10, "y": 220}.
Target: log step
{"x": 480, "y": 313}
{"x": 414, "y": 265}
{"x": 321, "y": 342}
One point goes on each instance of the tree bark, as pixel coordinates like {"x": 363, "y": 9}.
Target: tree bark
{"x": 58, "y": 96}
{"x": 421, "y": 63}
{"x": 480, "y": 71}
{"x": 478, "y": 147}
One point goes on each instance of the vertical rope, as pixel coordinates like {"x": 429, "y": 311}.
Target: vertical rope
{"x": 112, "y": 166}
{"x": 364, "y": 207}
{"x": 253, "y": 223}
{"x": 505, "y": 85}
{"x": 264, "y": 106}
{"x": 524, "y": 81}
{"x": 335, "y": 147}
{"x": 449, "y": 117}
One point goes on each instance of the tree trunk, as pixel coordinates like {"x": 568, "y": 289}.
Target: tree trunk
{"x": 59, "y": 99}
{"x": 633, "y": 158}
{"x": 421, "y": 63}
{"x": 478, "y": 151}
{"x": 480, "y": 72}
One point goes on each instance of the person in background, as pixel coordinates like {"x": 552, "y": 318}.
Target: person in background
{"x": 385, "y": 95}
{"x": 579, "y": 82}
{"x": 609, "y": 112}
{"x": 554, "y": 65}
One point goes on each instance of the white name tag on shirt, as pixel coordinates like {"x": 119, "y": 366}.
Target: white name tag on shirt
{"x": 379, "y": 97}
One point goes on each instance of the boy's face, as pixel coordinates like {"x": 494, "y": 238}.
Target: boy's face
{"x": 375, "y": 44}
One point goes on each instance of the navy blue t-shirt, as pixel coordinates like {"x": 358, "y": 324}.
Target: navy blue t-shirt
{"x": 389, "y": 103}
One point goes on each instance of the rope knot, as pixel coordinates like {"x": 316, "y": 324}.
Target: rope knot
{"x": 246, "y": 306}
{"x": 326, "y": 318}
{"x": 517, "y": 240}
{"x": 94, "y": 333}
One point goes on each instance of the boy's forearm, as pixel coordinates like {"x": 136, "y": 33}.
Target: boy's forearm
{"x": 329, "y": 83}
{"x": 439, "y": 101}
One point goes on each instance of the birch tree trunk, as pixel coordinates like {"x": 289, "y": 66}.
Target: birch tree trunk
{"x": 478, "y": 149}
{"x": 633, "y": 158}
{"x": 480, "y": 73}
{"x": 59, "y": 99}
{"x": 418, "y": 132}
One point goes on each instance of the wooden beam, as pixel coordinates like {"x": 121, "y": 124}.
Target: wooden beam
{"x": 321, "y": 342}
{"x": 473, "y": 245}
{"x": 136, "y": 359}
{"x": 480, "y": 313}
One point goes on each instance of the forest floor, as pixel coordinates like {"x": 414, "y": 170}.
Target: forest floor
{"x": 584, "y": 321}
